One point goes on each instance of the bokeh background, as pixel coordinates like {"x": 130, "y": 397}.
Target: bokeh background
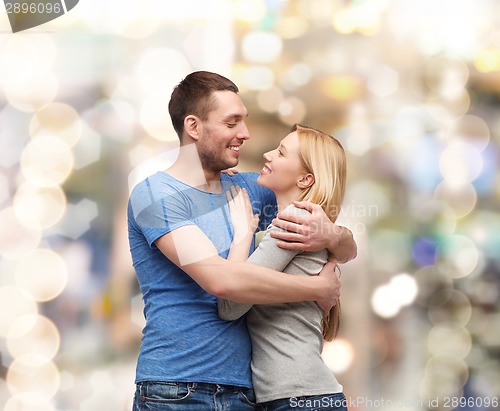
{"x": 412, "y": 90}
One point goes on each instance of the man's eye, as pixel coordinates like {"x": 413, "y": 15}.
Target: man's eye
{"x": 231, "y": 125}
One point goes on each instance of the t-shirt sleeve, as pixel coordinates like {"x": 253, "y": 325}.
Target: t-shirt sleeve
{"x": 157, "y": 212}
{"x": 267, "y": 254}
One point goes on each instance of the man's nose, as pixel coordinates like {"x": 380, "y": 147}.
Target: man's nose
{"x": 243, "y": 133}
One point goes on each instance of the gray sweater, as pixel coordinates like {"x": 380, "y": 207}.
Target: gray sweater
{"x": 286, "y": 338}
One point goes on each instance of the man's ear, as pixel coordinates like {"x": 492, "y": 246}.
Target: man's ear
{"x": 306, "y": 181}
{"x": 192, "y": 126}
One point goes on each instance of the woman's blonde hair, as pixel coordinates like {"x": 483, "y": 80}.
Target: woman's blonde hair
{"x": 323, "y": 156}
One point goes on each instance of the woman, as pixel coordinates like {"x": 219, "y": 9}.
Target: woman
{"x": 287, "y": 339}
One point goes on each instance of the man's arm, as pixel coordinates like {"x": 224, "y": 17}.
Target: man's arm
{"x": 241, "y": 281}
{"x": 314, "y": 232}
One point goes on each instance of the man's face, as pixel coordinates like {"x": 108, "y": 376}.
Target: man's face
{"x": 223, "y": 133}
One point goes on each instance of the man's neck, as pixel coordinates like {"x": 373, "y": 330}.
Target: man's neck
{"x": 188, "y": 169}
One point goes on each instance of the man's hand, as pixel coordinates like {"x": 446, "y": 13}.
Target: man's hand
{"x": 311, "y": 232}
{"x": 333, "y": 291}
{"x": 314, "y": 232}
{"x": 230, "y": 171}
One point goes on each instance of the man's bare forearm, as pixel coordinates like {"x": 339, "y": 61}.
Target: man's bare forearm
{"x": 343, "y": 248}
{"x": 249, "y": 283}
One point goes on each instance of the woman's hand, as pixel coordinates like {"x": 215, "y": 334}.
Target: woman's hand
{"x": 243, "y": 220}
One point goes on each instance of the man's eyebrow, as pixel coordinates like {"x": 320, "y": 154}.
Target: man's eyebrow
{"x": 235, "y": 116}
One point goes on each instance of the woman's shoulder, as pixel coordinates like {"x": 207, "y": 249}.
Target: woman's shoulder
{"x": 292, "y": 209}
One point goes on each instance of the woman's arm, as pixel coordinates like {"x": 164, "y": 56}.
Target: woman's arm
{"x": 267, "y": 254}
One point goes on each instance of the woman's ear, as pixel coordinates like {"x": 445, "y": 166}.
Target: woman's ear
{"x": 192, "y": 126}
{"x": 306, "y": 181}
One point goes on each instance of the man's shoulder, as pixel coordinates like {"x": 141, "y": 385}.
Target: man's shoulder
{"x": 242, "y": 179}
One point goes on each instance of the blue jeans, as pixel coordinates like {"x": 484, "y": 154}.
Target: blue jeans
{"x": 324, "y": 402}
{"x": 192, "y": 396}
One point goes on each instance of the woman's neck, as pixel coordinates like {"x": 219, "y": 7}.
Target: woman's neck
{"x": 284, "y": 199}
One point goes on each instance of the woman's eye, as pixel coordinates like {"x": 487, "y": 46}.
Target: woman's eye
{"x": 280, "y": 153}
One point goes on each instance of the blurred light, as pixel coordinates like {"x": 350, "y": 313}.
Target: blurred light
{"x": 13, "y": 134}
{"x": 424, "y": 251}
{"x": 269, "y": 100}
{"x": 43, "y": 274}
{"x": 256, "y": 78}
{"x": 77, "y": 219}
{"x": 422, "y": 21}
{"x": 338, "y": 355}
{"x": 434, "y": 219}
{"x": 18, "y": 303}
{"x": 472, "y": 130}
{"x": 16, "y": 404}
{"x": 390, "y": 250}
{"x": 4, "y": 189}
{"x": 33, "y": 379}
{"x": 46, "y": 161}
{"x": 461, "y": 198}
{"x": 446, "y": 77}
{"x": 261, "y": 47}
{"x": 25, "y": 55}
{"x": 129, "y": 18}
{"x": 58, "y": 120}
{"x": 33, "y": 334}
{"x": 154, "y": 117}
{"x": 152, "y": 165}
{"x": 88, "y": 149}
{"x": 487, "y": 60}
{"x": 358, "y": 134}
{"x": 489, "y": 335}
{"x": 444, "y": 376}
{"x": 16, "y": 240}
{"x": 388, "y": 299}
{"x": 449, "y": 364}
{"x": 383, "y": 81}
{"x": 211, "y": 46}
{"x": 431, "y": 280}
{"x": 30, "y": 93}
{"x": 292, "y": 110}
{"x": 140, "y": 153}
{"x": 103, "y": 387}
{"x": 137, "y": 311}
{"x": 447, "y": 111}
{"x": 297, "y": 75}
{"x": 115, "y": 119}
{"x": 459, "y": 254}
{"x": 250, "y": 11}
{"x": 406, "y": 286}
{"x": 39, "y": 207}
{"x": 372, "y": 203}
{"x": 292, "y": 26}
{"x": 360, "y": 18}
{"x": 448, "y": 339}
{"x": 450, "y": 306}
{"x": 342, "y": 88}
{"x": 159, "y": 70}
{"x": 384, "y": 301}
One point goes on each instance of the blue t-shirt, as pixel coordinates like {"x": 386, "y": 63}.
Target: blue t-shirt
{"x": 184, "y": 339}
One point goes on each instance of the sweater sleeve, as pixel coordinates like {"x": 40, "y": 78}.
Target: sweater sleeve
{"x": 267, "y": 254}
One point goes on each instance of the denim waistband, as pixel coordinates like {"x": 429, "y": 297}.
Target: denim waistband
{"x": 143, "y": 386}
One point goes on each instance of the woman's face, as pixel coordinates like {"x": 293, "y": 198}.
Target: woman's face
{"x": 283, "y": 167}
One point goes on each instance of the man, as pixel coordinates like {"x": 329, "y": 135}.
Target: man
{"x": 180, "y": 234}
